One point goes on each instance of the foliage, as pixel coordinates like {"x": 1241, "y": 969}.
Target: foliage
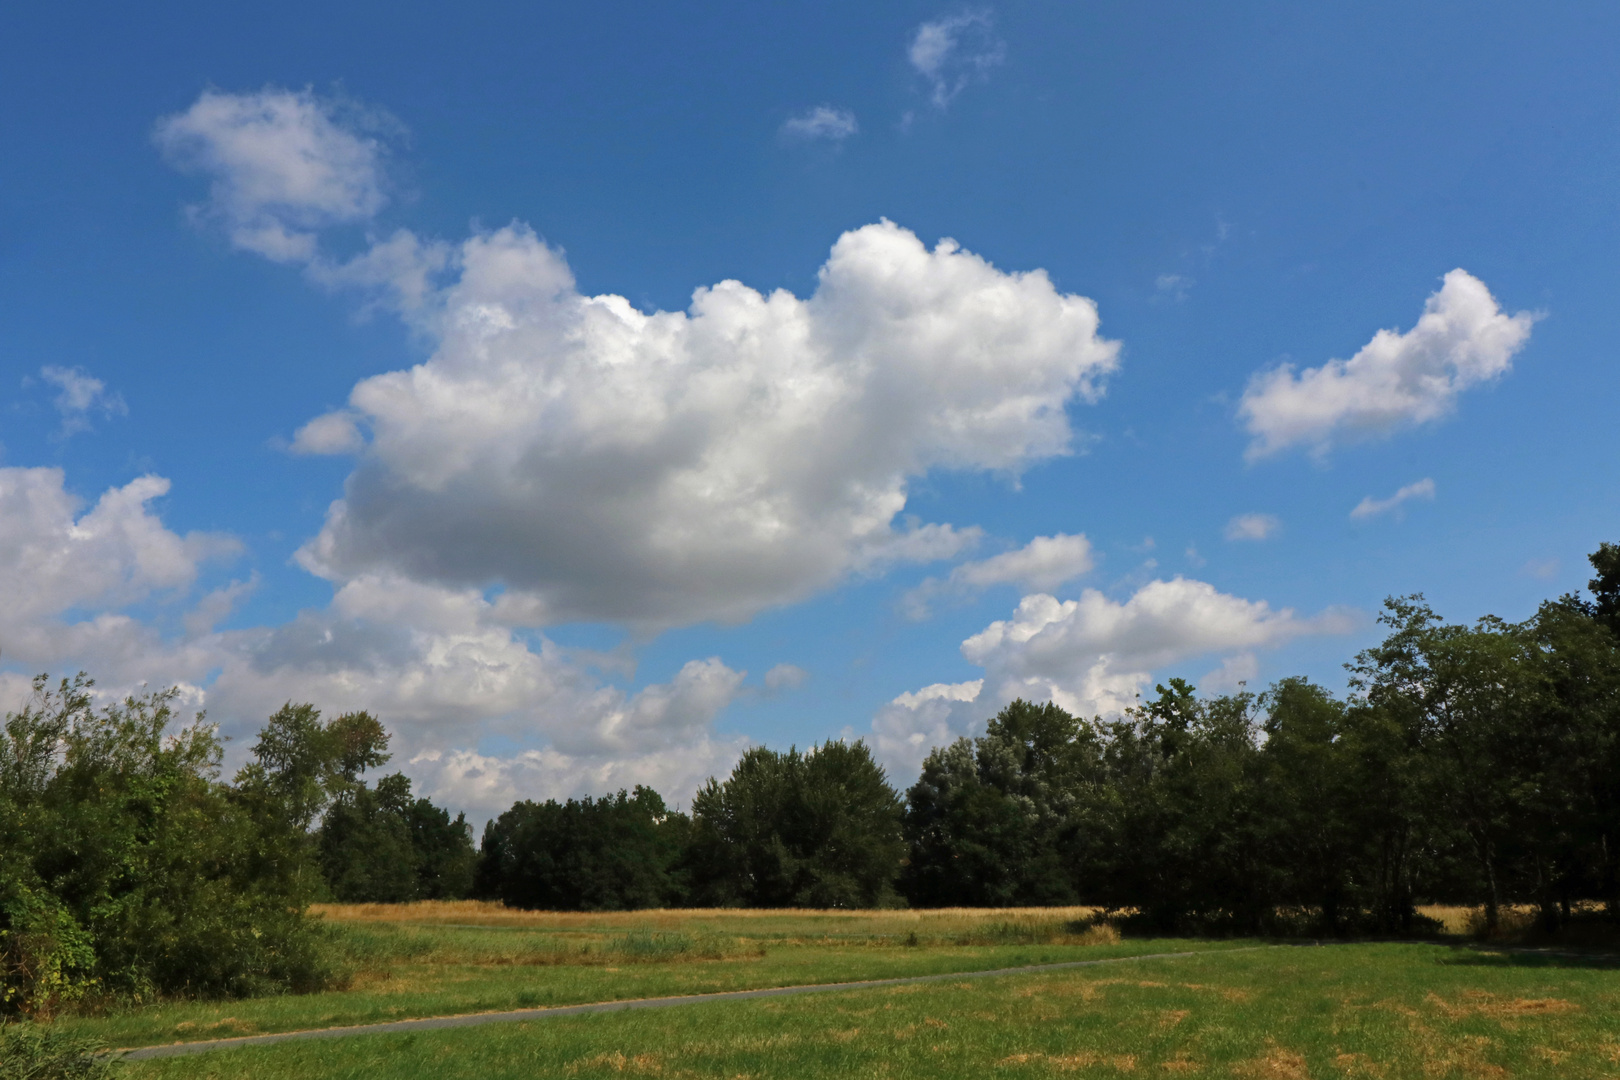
{"x": 1469, "y": 764}
{"x": 380, "y": 845}
{"x": 128, "y": 869}
{"x": 588, "y": 854}
{"x": 817, "y": 829}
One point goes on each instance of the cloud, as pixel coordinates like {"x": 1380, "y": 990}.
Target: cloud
{"x": 785, "y": 677}
{"x": 1041, "y": 565}
{"x": 1396, "y": 380}
{"x": 656, "y": 469}
{"x": 331, "y": 433}
{"x": 58, "y": 559}
{"x": 909, "y": 726}
{"x": 1542, "y": 568}
{"x": 443, "y": 668}
{"x": 1174, "y": 286}
{"x": 284, "y": 165}
{"x": 821, "y": 122}
{"x": 1252, "y": 527}
{"x": 1091, "y": 656}
{"x": 951, "y": 52}
{"x": 79, "y": 394}
{"x": 1371, "y": 507}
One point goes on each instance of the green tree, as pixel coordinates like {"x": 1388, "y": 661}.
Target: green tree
{"x": 1003, "y": 819}
{"x": 128, "y": 869}
{"x": 611, "y": 854}
{"x": 818, "y": 829}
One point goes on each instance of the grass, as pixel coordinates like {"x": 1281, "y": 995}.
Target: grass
{"x": 444, "y": 959}
{"x": 1288, "y": 1013}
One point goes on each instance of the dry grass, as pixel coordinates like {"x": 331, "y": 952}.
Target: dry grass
{"x": 940, "y": 926}
{"x": 491, "y": 913}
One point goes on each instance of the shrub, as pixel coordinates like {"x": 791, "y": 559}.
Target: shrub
{"x": 127, "y": 869}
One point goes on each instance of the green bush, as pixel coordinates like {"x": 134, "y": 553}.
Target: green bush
{"x": 127, "y": 869}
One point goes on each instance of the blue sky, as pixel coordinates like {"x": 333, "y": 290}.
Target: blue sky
{"x": 586, "y": 545}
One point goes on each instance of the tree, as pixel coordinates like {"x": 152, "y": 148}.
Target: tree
{"x": 127, "y": 868}
{"x": 611, "y": 854}
{"x": 818, "y": 829}
{"x": 997, "y": 821}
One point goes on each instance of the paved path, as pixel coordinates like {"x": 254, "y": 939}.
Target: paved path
{"x": 476, "y": 1019}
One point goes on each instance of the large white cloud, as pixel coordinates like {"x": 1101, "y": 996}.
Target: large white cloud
{"x": 608, "y": 464}
{"x": 1092, "y": 656}
{"x": 562, "y": 456}
{"x": 440, "y": 667}
{"x": 1463, "y": 338}
{"x": 284, "y": 164}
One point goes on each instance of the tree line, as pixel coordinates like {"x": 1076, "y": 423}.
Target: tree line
{"x": 1468, "y": 764}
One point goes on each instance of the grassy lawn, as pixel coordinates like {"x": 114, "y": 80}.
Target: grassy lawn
{"x": 1421, "y": 1011}
{"x": 443, "y": 959}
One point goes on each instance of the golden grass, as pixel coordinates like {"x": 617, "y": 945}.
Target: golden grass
{"x": 491, "y": 913}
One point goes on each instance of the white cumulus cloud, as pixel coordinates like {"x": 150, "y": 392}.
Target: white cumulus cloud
{"x": 671, "y": 467}
{"x": 441, "y": 667}
{"x": 284, "y": 164}
{"x": 1462, "y": 339}
{"x": 822, "y": 122}
{"x": 1252, "y": 526}
{"x": 330, "y": 433}
{"x": 1091, "y": 656}
{"x": 1371, "y": 507}
{"x": 951, "y": 52}
{"x": 58, "y": 557}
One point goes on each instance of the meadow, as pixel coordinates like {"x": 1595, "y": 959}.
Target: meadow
{"x": 1239, "y": 1008}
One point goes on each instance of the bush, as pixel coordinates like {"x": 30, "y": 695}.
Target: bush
{"x": 128, "y": 870}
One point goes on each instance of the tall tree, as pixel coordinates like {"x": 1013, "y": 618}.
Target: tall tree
{"x": 818, "y": 829}
{"x": 611, "y": 854}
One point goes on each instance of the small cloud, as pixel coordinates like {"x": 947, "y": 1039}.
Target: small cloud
{"x": 331, "y": 433}
{"x": 785, "y": 677}
{"x": 1396, "y": 380}
{"x": 1039, "y": 566}
{"x": 1252, "y": 526}
{"x": 283, "y": 164}
{"x": 1193, "y": 556}
{"x": 821, "y": 123}
{"x": 1173, "y": 286}
{"x": 953, "y": 51}
{"x": 80, "y": 395}
{"x": 1541, "y": 568}
{"x": 1371, "y": 507}
{"x": 1232, "y": 675}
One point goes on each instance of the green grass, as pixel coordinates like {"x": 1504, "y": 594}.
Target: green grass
{"x": 431, "y": 967}
{"x": 1394, "y": 1011}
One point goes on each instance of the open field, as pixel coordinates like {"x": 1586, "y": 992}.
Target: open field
{"x": 444, "y": 959}
{"x": 1285, "y": 1013}
{"x": 1291, "y": 1011}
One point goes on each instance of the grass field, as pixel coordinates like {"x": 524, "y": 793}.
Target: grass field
{"x": 1350, "y": 1010}
{"x": 449, "y": 958}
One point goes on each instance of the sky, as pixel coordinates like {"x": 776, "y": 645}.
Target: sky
{"x": 592, "y": 392}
